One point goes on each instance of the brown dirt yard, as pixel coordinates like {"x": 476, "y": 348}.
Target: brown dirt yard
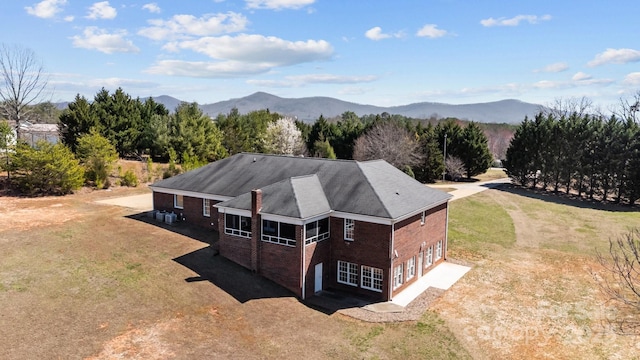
{"x": 83, "y": 280}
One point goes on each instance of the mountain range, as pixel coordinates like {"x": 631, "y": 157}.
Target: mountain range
{"x": 309, "y": 109}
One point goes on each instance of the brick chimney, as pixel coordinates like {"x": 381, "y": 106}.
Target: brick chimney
{"x": 256, "y": 206}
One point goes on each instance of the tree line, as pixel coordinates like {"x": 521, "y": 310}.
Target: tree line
{"x": 138, "y": 127}
{"x": 596, "y": 157}
{"x": 126, "y": 127}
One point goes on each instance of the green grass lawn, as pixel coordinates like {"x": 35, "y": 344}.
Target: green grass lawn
{"x": 477, "y": 224}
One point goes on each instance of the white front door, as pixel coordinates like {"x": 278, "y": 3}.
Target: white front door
{"x": 420, "y": 256}
{"x": 318, "y": 282}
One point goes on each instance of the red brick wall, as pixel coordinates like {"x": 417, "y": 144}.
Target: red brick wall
{"x": 411, "y": 238}
{"x": 162, "y": 201}
{"x": 282, "y": 263}
{"x": 315, "y": 253}
{"x": 370, "y": 247}
{"x": 234, "y": 248}
{"x": 191, "y": 211}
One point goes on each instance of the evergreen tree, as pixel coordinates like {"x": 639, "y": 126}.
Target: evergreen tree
{"x": 432, "y": 167}
{"x": 519, "y": 156}
{"x": 97, "y": 155}
{"x": 324, "y": 150}
{"x": 46, "y": 169}
{"x": 76, "y": 120}
{"x": 473, "y": 150}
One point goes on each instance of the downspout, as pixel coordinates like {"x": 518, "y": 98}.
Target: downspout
{"x": 391, "y": 257}
{"x": 302, "y": 274}
{"x": 446, "y": 233}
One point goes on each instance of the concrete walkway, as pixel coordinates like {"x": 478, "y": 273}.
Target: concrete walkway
{"x": 142, "y": 202}
{"x": 442, "y": 277}
{"x": 468, "y": 189}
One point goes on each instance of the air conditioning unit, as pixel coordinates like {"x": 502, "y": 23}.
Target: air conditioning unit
{"x": 170, "y": 218}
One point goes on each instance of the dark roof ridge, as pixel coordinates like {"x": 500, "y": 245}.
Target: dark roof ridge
{"x": 302, "y": 157}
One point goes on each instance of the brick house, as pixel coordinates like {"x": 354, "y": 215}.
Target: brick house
{"x": 311, "y": 224}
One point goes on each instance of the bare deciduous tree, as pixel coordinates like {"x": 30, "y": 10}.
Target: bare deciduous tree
{"x": 23, "y": 82}
{"x": 454, "y": 167}
{"x": 619, "y": 280}
{"x": 568, "y": 106}
{"x": 390, "y": 142}
{"x": 629, "y": 108}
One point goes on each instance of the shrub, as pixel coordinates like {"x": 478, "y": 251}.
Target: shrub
{"x": 97, "y": 155}
{"x": 129, "y": 179}
{"x": 46, "y": 169}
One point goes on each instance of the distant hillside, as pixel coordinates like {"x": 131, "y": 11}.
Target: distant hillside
{"x": 310, "y": 108}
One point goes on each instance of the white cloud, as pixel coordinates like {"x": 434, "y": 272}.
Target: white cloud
{"x": 46, "y": 9}
{"x": 241, "y": 55}
{"x": 152, "y": 8}
{"x": 102, "y": 10}
{"x": 514, "y": 21}
{"x": 181, "y": 26}
{"x": 114, "y": 83}
{"x": 554, "y": 68}
{"x": 100, "y": 40}
{"x": 632, "y": 79}
{"x": 257, "y": 49}
{"x": 69, "y": 18}
{"x": 615, "y": 56}
{"x": 580, "y": 79}
{"x": 431, "y": 31}
{"x": 376, "y": 34}
{"x": 580, "y": 76}
{"x": 302, "y": 80}
{"x": 202, "y": 69}
{"x": 278, "y": 4}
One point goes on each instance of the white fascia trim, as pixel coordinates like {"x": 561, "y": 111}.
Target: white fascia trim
{"x": 416, "y": 212}
{"x": 232, "y": 211}
{"x": 282, "y": 219}
{"x": 191, "y": 194}
{"x": 366, "y": 218}
{"x": 295, "y": 221}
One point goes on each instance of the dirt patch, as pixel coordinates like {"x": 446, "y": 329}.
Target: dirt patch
{"x": 23, "y": 214}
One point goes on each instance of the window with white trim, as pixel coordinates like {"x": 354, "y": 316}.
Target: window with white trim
{"x": 411, "y": 268}
{"x": 397, "y": 275}
{"x": 178, "y": 201}
{"x": 371, "y": 278}
{"x": 316, "y": 231}
{"x": 278, "y": 232}
{"x": 423, "y": 218}
{"x": 347, "y": 273}
{"x": 349, "y": 229}
{"x": 237, "y": 225}
{"x": 206, "y": 207}
{"x": 428, "y": 257}
{"x": 439, "y": 250}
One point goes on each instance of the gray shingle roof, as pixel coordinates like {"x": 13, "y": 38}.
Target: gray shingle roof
{"x": 297, "y": 197}
{"x": 373, "y": 188}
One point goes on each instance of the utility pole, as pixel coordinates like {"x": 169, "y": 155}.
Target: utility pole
{"x": 444, "y": 172}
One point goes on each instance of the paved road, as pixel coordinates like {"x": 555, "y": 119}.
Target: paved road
{"x": 467, "y": 189}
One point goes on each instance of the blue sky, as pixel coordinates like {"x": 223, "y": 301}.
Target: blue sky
{"x": 370, "y": 52}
